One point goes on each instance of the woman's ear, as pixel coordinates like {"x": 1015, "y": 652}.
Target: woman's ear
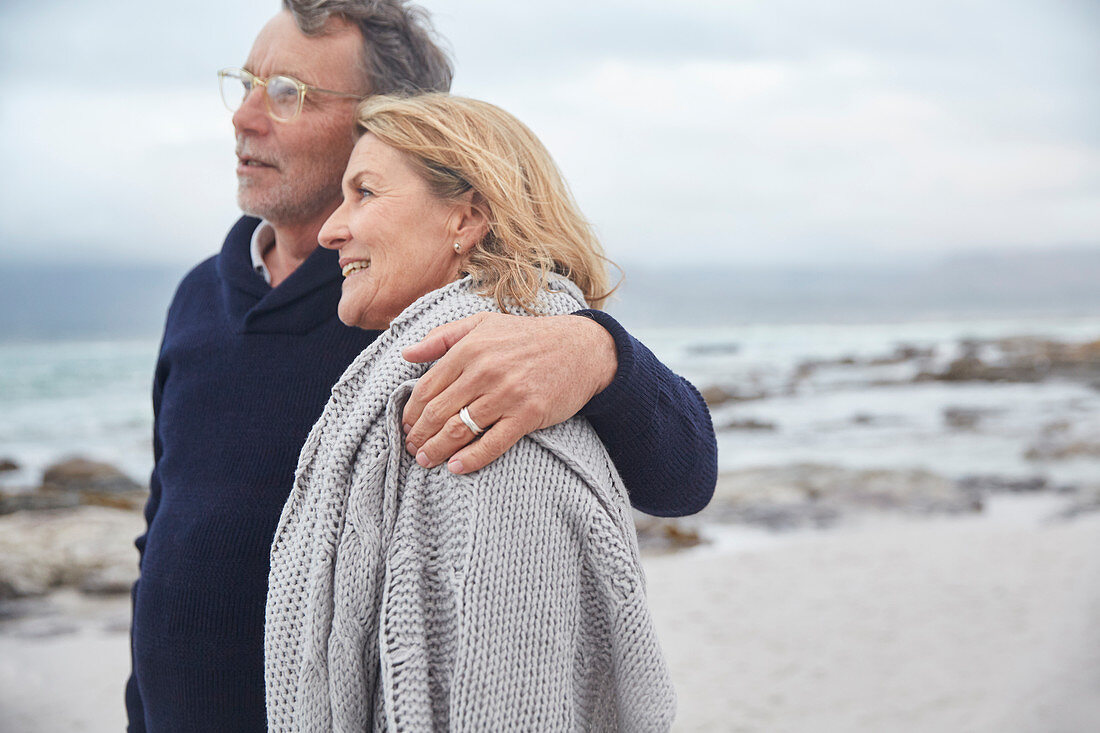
{"x": 470, "y": 220}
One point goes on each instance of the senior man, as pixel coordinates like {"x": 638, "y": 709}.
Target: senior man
{"x": 252, "y": 346}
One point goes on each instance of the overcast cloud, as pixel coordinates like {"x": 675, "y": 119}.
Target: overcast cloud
{"x": 701, "y": 131}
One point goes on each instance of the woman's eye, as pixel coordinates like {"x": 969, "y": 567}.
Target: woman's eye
{"x": 364, "y": 192}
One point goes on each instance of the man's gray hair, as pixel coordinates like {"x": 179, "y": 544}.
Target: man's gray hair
{"x": 399, "y": 49}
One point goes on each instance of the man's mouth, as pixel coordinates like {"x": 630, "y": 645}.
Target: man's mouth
{"x": 250, "y": 162}
{"x": 353, "y": 267}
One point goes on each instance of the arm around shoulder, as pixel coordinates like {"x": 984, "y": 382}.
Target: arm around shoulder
{"x": 657, "y": 429}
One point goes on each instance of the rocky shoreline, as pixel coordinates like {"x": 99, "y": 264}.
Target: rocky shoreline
{"x": 824, "y": 490}
{"x": 75, "y": 530}
{"x": 68, "y": 535}
{"x": 1019, "y": 359}
{"x": 819, "y": 496}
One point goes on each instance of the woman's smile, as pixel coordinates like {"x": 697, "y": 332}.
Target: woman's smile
{"x": 350, "y": 268}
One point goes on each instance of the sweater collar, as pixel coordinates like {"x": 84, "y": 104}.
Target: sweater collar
{"x": 306, "y": 299}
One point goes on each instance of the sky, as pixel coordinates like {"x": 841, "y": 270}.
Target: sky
{"x": 740, "y": 132}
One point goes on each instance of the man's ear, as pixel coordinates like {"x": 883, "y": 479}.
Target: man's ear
{"x": 470, "y": 221}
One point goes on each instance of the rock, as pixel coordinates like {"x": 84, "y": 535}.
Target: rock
{"x": 747, "y": 424}
{"x": 780, "y": 517}
{"x": 664, "y": 535}
{"x": 37, "y": 501}
{"x": 720, "y": 348}
{"x": 1005, "y": 484}
{"x": 85, "y": 546}
{"x": 1056, "y": 428}
{"x": 7, "y": 464}
{"x": 715, "y": 396}
{"x": 963, "y": 418}
{"x": 1054, "y": 450}
{"x": 808, "y": 366}
{"x": 1060, "y": 439}
{"x": 902, "y": 354}
{"x": 1086, "y": 502}
{"x": 804, "y": 371}
{"x": 74, "y": 482}
{"x": 110, "y": 580}
{"x": 49, "y": 499}
{"x": 814, "y": 495}
{"x": 1023, "y": 359}
{"x": 972, "y": 369}
{"x": 868, "y": 418}
{"x": 80, "y": 474}
{"x": 1072, "y": 360}
{"x": 131, "y": 500}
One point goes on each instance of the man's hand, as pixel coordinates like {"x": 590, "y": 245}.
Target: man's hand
{"x": 514, "y": 374}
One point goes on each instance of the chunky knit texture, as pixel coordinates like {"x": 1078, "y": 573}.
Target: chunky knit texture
{"x": 403, "y": 598}
{"x": 243, "y": 373}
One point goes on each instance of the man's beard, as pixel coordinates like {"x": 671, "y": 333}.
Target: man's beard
{"x": 287, "y": 203}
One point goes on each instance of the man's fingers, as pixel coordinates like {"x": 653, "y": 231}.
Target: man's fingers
{"x": 454, "y": 392}
{"x": 454, "y": 433}
{"x": 440, "y": 339}
{"x": 421, "y": 417}
{"x": 530, "y": 373}
{"x": 435, "y": 345}
{"x": 489, "y": 447}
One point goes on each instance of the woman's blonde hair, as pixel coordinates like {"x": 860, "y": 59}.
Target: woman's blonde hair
{"x": 458, "y": 144}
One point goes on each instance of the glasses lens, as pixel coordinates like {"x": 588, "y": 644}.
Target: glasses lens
{"x": 282, "y": 96}
{"x": 234, "y": 87}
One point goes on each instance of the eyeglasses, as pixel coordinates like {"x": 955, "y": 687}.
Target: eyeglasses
{"x": 285, "y": 94}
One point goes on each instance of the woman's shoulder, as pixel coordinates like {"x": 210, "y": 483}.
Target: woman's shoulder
{"x": 563, "y": 468}
{"x": 574, "y": 446}
{"x": 465, "y": 298}
{"x": 561, "y": 480}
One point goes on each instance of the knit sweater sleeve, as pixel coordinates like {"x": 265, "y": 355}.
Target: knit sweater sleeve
{"x": 657, "y": 429}
{"x": 135, "y": 709}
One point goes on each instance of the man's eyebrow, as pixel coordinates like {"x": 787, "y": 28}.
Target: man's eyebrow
{"x": 281, "y": 72}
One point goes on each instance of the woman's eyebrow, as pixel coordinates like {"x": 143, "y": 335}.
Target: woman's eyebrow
{"x": 363, "y": 175}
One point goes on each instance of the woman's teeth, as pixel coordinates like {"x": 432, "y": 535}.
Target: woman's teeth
{"x": 355, "y": 267}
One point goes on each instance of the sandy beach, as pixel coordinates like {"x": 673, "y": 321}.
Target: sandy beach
{"x": 939, "y": 624}
{"x": 973, "y": 623}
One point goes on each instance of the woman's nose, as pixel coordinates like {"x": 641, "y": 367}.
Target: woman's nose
{"x": 334, "y": 232}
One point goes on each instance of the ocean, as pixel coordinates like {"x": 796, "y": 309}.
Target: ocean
{"x": 812, "y": 358}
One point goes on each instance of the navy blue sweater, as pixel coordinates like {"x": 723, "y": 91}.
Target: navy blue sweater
{"x": 244, "y": 371}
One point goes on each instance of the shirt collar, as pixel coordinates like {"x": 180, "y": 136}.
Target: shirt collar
{"x": 263, "y": 239}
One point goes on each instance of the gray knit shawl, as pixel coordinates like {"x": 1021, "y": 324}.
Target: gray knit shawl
{"x": 406, "y": 599}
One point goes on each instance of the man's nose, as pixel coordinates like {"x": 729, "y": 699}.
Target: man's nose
{"x": 252, "y": 115}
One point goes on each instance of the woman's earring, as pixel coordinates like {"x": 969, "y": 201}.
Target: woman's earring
{"x": 458, "y": 248}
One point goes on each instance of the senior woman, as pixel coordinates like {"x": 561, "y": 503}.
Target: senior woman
{"x": 406, "y": 598}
